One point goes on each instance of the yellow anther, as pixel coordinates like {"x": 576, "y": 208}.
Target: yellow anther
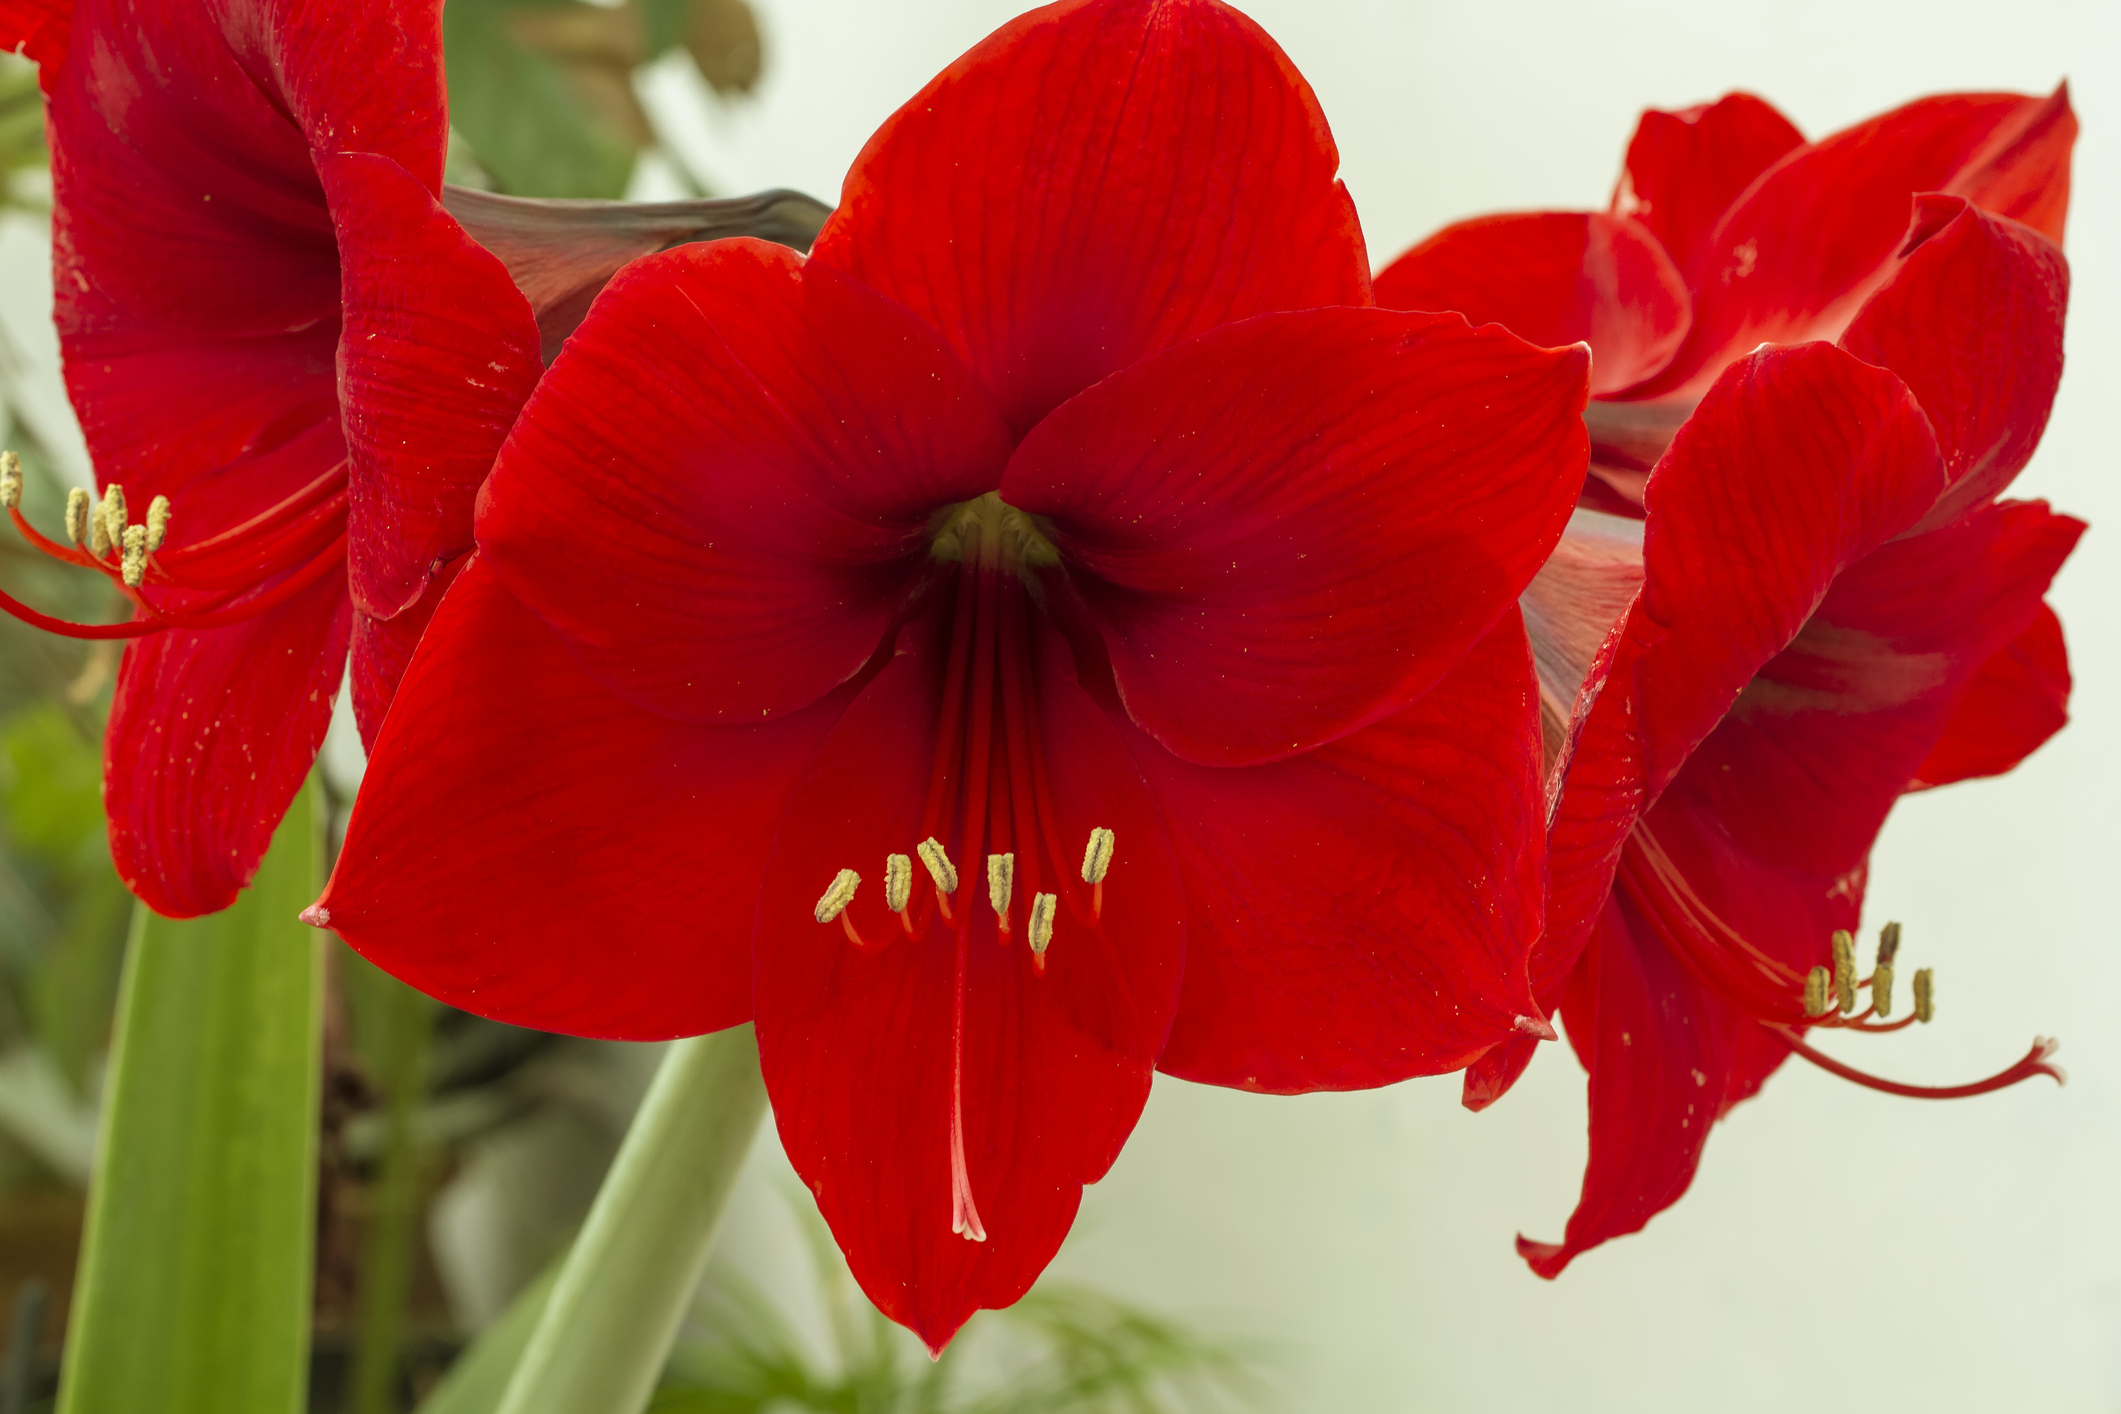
{"x": 10, "y": 480}
{"x": 1882, "y": 989}
{"x": 157, "y": 522}
{"x": 77, "y": 515}
{"x": 99, "y": 541}
{"x": 940, "y": 868}
{"x": 114, "y": 513}
{"x": 898, "y": 882}
{"x": 1844, "y": 970}
{"x": 1097, "y": 856}
{"x": 1001, "y": 878}
{"x": 1888, "y": 944}
{"x": 1041, "y": 928}
{"x": 133, "y": 567}
{"x": 838, "y": 894}
{"x": 1925, "y": 999}
{"x": 1815, "y": 989}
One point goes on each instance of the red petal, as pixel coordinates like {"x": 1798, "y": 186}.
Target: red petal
{"x": 720, "y": 494}
{"x": 2007, "y": 710}
{"x": 1095, "y": 181}
{"x": 211, "y": 734}
{"x": 561, "y": 253}
{"x": 557, "y": 858}
{"x": 1347, "y": 498}
{"x": 198, "y": 125}
{"x": 38, "y": 30}
{"x": 1685, "y": 169}
{"x": 1829, "y": 732}
{"x": 383, "y": 649}
{"x": 857, "y": 1043}
{"x": 1816, "y": 235}
{"x": 1553, "y": 277}
{"x": 1799, "y": 462}
{"x": 1972, "y": 323}
{"x": 437, "y": 355}
{"x": 1362, "y": 913}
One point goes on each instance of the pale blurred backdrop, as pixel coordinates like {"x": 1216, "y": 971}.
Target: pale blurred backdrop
{"x": 1840, "y": 1250}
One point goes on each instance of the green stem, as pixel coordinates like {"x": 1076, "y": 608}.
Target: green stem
{"x": 195, "y": 1282}
{"x": 600, "y": 1346}
{"x": 399, "y": 1022}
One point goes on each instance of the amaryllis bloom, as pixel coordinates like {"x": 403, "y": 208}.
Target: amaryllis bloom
{"x": 1790, "y": 595}
{"x": 293, "y": 367}
{"x": 1058, "y": 630}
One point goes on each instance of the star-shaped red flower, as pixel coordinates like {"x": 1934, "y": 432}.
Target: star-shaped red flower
{"x": 1057, "y": 631}
{"x": 1810, "y": 606}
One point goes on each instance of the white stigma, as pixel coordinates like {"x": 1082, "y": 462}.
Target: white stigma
{"x": 1001, "y": 878}
{"x": 939, "y": 866}
{"x": 1042, "y": 906}
{"x": 1097, "y": 856}
{"x": 898, "y": 882}
{"x": 838, "y": 894}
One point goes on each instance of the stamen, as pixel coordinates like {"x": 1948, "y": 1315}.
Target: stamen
{"x": 1815, "y": 989}
{"x": 898, "y": 882}
{"x": 114, "y": 514}
{"x": 1882, "y": 988}
{"x": 157, "y": 523}
{"x": 99, "y": 529}
{"x": 1844, "y": 970}
{"x": 1925, "y": 998}
{"x": 1888, "y": 944}
{"x": 134, "y": 564}
{"x": 1041, "y": 927}
{"x": 1097, "y": 856}
{"x": 77, "y": 515}
{"x": 941, "y": 870}
{"x": 10, "y": 480}
{"x": 838, "y": 894}
{"x": 1001, "y": 877}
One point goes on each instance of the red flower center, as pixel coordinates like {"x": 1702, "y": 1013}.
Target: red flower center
{"x": 223, "y": 579}
{"x": 1775, "y": 994}
{"x": 988, "y": 794}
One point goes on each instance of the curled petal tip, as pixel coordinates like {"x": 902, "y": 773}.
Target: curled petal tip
{"x": 316, "y": 916}
{"x": 1537, "y": 1026}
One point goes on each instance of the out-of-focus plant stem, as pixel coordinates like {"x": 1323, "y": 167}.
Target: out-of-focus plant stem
{"x": 604, "y": 1336}
{"x": 399, "y": 1024}
{"x": 196, "y": 1273}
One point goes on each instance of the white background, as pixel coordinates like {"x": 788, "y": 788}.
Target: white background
{"x": 1840, "y": 1250}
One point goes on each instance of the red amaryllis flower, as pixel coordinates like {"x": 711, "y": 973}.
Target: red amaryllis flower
{"x": 1814, "y": 605}
{"x": 1054, "y": 632}
{"x": 293, "y": 369}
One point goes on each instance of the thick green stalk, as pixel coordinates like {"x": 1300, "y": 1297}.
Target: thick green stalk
{"x": 600, "y": 1346}
{"x": 195, "y": 1282}
{"x": 393, "y": 1024}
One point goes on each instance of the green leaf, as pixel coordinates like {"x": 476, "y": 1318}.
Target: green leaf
{"x": 478, "y": 1379}
{"x": 195, "y": 1282}
{"x": 523, "y": 117}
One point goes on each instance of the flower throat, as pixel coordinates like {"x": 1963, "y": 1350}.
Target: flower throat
{"x": 989, "y": 798}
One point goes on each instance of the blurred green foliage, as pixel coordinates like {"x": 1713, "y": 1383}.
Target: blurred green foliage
{"x": 541, "y": 91}
{"x": 21, "y": 127}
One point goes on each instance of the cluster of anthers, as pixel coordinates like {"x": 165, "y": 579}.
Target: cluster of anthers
{"x": 1830, "y": 999}
{"x": 224, "y": 579}
{"x": 1001, "y": 881}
